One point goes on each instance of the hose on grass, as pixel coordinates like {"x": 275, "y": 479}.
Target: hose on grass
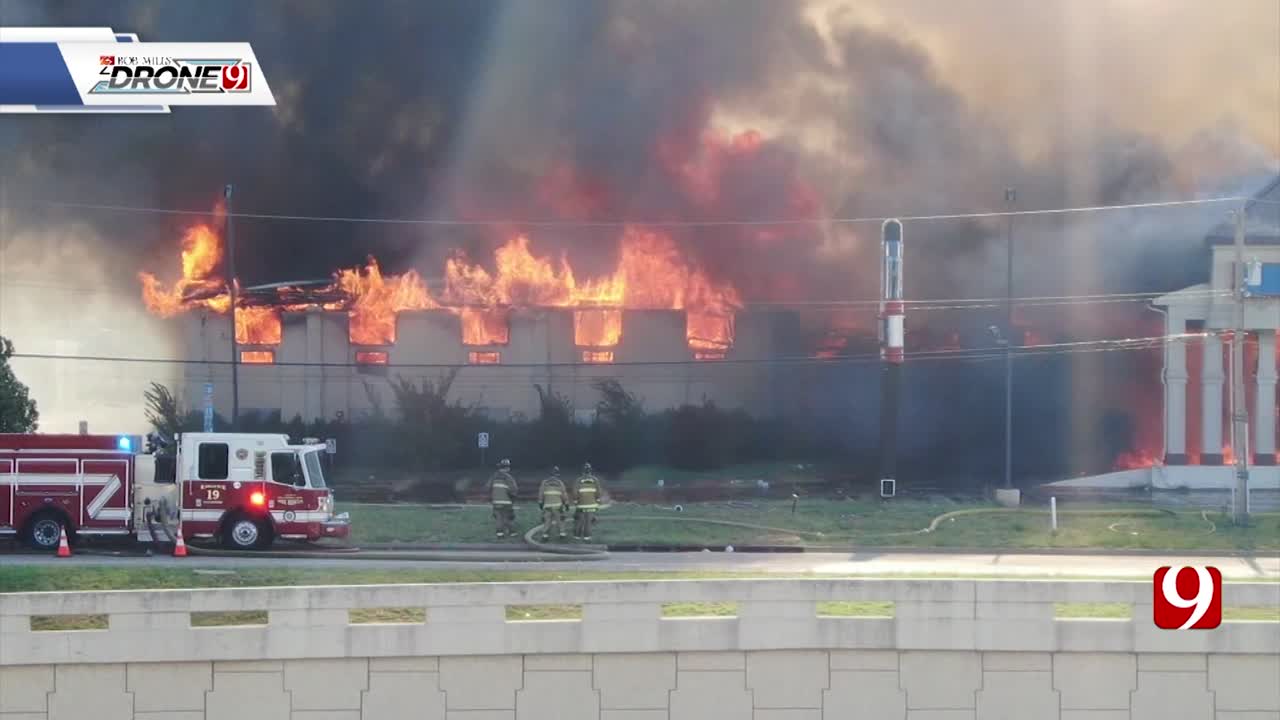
{"x": 1204, "y": 515}
{"x": 933, "y": 526}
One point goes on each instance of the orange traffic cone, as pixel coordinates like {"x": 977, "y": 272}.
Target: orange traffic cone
{"x": 64, "y": 550}
{"x": 179, "y": 547}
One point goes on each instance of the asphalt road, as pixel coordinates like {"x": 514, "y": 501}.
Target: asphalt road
{"x": 860, "y": 563}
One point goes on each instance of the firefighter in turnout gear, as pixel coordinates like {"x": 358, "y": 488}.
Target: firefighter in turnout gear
{"x": 586, "y": 498}
{"x": 553, "y": 499}
{"x": 502, "y": 498}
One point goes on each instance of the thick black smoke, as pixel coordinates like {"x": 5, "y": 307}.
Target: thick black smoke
{"x": 601, "y": 110}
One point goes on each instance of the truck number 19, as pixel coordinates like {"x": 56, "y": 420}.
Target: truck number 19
{"x": 213, "y": 494}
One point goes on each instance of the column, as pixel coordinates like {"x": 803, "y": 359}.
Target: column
{"x": 1175, "y": 391}
{"x": 1264, "y": 416}
{"x": 313, "y": 377}
{"x": 1211, "y": 378}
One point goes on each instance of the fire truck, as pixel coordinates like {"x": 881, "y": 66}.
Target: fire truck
{"x": 244, "y": 490}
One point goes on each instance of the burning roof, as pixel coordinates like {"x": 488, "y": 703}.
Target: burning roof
{"x": 651, "y": 273}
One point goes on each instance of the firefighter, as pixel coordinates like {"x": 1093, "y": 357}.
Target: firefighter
{"x": 502, "y": 497}
{"x": 553, "y": 500}
{"x": 586, "y": 498}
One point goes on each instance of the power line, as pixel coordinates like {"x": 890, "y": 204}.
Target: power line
{"x": 923, "y": 304}
{"x": 646, "y": 223}
{"x": 978, "y": 303}
{"x": 1143, "y": 342}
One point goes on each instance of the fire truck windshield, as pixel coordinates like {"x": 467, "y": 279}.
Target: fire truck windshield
{"x": 314, "y": 473}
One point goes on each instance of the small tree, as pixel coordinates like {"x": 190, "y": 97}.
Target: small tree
{"x": 433, "y": 430}
{"x": 554, "y": 434}
{"x": 17, "y": 410}
{"x": 619, "y": 435}
{"x": 163, "y": 410}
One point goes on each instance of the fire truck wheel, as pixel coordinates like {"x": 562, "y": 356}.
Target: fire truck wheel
{"x": 246, "y": 533}
{"x": 44, "y": 531}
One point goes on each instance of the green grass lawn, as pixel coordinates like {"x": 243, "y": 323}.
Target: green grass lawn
{"x": 840, "y": 523}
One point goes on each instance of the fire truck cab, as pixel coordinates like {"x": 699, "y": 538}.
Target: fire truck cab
{"x": 243, "y": 489}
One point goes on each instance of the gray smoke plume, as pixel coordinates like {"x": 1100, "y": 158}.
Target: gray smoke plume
{"x": 602, "y": 109}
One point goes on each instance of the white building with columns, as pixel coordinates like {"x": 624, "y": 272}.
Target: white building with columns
{"x": 1200, "y": 319}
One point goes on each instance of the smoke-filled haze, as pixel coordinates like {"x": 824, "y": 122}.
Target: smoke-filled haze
{"x": 605, "y": 110}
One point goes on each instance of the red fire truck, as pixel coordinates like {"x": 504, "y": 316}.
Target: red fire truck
{"x": 243, "y": 489}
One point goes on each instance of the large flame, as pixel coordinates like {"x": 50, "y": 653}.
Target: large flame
{"x": 257, "y": 326}
{"x": 201, "y": 255}
{"x": 484, "y": 326}
{"x": 651, "y": 273}
{"x": 375, "y": 300}
{"x": 597, "y": 327}
{"x": 201, "y": 285}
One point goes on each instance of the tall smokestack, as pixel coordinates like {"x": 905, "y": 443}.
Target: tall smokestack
{"x": 892, "y": 332}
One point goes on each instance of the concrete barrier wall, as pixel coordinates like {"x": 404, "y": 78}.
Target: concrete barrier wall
{"x": 952, "y": 650}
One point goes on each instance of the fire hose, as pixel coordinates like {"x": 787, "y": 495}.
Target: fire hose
{"x": 550, "y": 552}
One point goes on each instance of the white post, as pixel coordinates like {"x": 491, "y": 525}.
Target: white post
{"x": 1211, "y": 376}
{"x": 1264, "y": 416}
{"x": 1053, "y": 512}
{"x": 1175, "y": 389}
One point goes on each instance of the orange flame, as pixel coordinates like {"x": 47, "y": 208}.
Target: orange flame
{"x": 375, "y": 300}
{"x": 202, "y": 286}
{"x": 708, "y": 331}
{"x": 651, "y": 273}
{"x": 597, "y": 327}
{"x": 1134, "y": 460}
{"x": 258, "y": 326}
{"x": 201, "y": 253}
{"x": 483, "y": 326}
{"x": 257, "y": 357}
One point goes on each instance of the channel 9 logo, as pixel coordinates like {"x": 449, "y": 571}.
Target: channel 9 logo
{"x": 1188, "y": 598}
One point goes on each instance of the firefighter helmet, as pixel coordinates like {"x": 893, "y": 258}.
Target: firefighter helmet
{"x": 586, "y": 468}
{"x": 555, "y": 469}
{"x": 504, "y": 464}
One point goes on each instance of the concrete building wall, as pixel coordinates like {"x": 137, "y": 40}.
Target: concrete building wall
{"x": 981, "y": 650}
{"x": 316, "y": 374}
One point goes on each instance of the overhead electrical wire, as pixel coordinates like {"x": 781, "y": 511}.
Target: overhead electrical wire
{"x": 647, "y": 223}
{"x": 1134, "y": 343}
{"x": 914, "y": 305}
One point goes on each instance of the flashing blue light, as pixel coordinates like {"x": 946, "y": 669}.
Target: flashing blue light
{"x": 125, "y": 443}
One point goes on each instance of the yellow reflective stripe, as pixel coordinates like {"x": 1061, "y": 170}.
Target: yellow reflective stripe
{"x": 501, "y": 502}
{"x": 592, "y": 506}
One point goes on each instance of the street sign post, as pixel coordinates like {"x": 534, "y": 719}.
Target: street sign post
{"x": 331, "y": 446}
{"x": 208, "y": 407}
{"x": 482, "y": 441}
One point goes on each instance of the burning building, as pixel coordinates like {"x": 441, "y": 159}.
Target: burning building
{"x": 1198, "y": 324}
{"x": 320, "y": 350}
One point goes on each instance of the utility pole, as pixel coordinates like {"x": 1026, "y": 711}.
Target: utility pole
{"x": 231, "y": 288}
{"x": 1240, "y": 411}
{"x": 1010, "y": 200}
